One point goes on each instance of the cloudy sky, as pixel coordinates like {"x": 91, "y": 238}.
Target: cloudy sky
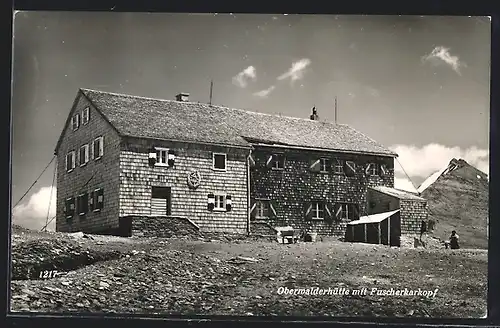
{"x": 419, "y": 85}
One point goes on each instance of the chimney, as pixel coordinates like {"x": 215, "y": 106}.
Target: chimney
{"x": 314, "y": 116}
{"x": 182, "y": 96}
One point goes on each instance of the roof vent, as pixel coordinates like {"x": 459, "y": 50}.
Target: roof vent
{"x": 182, "y": 96}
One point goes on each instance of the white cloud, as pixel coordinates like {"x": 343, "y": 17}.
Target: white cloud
{"x": 264, "y": 93}
{"x": 241, "y": 79}
{"x": 442, "y": 54}
{"x": 32, "y": 214}
{"x": 423, "y": 161}
{"x": 296, "y": 71}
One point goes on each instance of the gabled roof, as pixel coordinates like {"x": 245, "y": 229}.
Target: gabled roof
{"x": 203, "y": 123}
{"x": 401, "y": 194}
{"x": 373, "y": 218}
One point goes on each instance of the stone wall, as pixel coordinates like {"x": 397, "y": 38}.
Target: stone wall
{"x": 100, "y": 173}
{"x": 262, "y": 229}
{"x": 137, "y": 178}
{"x": 165, "y": 227}
{"x": 413, "y": 212}
{"x": 294, "y": 186}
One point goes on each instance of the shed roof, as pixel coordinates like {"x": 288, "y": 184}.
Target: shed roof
{"x": 401, "y": 194}
{"x": 198, "y": 122}
{"x": 373, "y": 218}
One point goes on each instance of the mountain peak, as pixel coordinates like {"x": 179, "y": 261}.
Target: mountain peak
{"x": 467, "y": 171}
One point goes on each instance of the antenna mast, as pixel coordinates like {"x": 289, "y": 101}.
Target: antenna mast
{"x": 335, "y": 109}
{"x": 211, "y": 88}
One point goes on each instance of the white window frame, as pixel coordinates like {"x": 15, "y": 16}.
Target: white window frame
{"x": 217, "y": 197}
{"x": 213, "y": 161}
{"x": 261, "y": 207}
{"x": 317, "y": 208}
{"x": 344, "y": 211}
{"x": 339, "y": 164}
{"x": 68, "y": 199}
{"x": 323, "y": 165}
{"x": 85, "y": 116}
{"x": 86, "y": 157}
{"x": 159, "y": 151}
{"x": 75, "y": 117}
{"x": 73, "y": 161}
{"x": 374, "y": 169}
{"x": 96, "y": 200}
{"x": 101, "y": 148}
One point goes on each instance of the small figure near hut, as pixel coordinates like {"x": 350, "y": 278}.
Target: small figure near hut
{"x": 454, "y": 240}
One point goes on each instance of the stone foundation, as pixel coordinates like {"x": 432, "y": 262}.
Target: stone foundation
{"x": 164, "y": 226}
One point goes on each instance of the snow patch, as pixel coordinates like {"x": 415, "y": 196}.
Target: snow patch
{"x": 431, "y": 179}
{"x": 478, "y": 176}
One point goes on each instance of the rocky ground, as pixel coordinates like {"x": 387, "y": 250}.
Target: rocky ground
{"x": 225, "y": 275}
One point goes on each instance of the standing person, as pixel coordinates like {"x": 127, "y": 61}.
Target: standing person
{"x": 454, "y": 240}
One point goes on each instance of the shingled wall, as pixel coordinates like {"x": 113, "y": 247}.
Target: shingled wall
{"x": 137, "y": 179}
{"x": 101, "y": 173}
{"x": 296, "y": 184}
{"x": 412, "y": 211}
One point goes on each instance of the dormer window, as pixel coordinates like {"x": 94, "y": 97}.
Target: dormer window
{"x": 219, "y": 161}
{"x": 75, "y": 122}
{"x": 85, "y": 115}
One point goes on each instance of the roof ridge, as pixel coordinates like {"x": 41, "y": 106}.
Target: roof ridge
{"x": 219, "y": 106}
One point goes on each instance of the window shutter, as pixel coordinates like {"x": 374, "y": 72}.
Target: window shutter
{"x": 68, "y": 210}
{"x": 273, "y": 209}
{"x": 251, "y": 161}
{"x": 85, "y": 201}
{"x": 101, "y": 146}
{"x": 383, "y": 169}
{"x": 100, "y": 199}
{"x": 350, "y": 168}
{"x": 228, "y": 203}
{"x": 308, "y": 211}
{"x": 91, "y": 146}
{"x": 77, "y": 121}
{"x": 355, "y": 211}
{"x": 171, "y": 158}
{"x": 269, "y": 161}
{"x": 350, "y": 212}
{"x": 368, "y": 167}
{"x": 338, "y": 211}
{"x": 314, "y": 165}
{"x": 328, "y": 213}
{"x": 91, "y": 201}
{"x": 82, "y": 156}
{"x": 253, "y": 209}
{"x": 67, "y": 162}
{"x": 211, "y": 202}
{"x": 86, "y": 153}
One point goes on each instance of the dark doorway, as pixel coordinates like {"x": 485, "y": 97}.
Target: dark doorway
{"x": 161, "y": 201}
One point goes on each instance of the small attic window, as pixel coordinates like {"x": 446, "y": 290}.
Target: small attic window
{"x": 85, "y": 115}
{"x": 75, "y": 122}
